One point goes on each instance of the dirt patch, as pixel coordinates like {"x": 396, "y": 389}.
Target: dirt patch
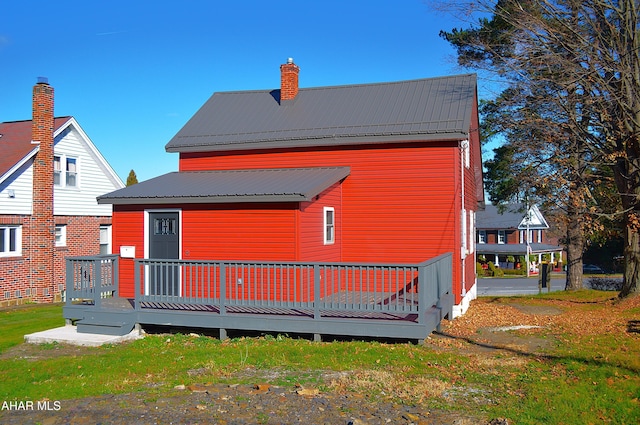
{"x": 542, "y": 310}
{"x": 35, "y": 352}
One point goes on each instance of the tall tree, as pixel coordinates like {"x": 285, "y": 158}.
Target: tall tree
{"x": 574, "y": 65}
{"x": 132, "y": 178}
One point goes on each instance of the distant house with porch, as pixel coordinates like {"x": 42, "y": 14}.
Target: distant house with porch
{"x": 511, "y": 233}
{"x": 50, "y": 176}
{"x": 369, "y": 175}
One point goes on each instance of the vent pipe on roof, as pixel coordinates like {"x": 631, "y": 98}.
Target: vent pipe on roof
{"x": 289, "y": 80}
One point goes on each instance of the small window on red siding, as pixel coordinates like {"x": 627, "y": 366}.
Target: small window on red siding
{"x": 329, "y": 225}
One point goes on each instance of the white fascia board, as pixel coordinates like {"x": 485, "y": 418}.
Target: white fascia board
{"x": 537, "y": 220}
{"x": 19, "y": 164}
{"x": 94, "y": 150}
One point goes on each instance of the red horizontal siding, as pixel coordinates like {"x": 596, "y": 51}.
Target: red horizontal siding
{"x": 257, "y": 232}
{"x": 398, "y": 201}
{"x": 128, "y": 230}
{"x": 311, "y": 227}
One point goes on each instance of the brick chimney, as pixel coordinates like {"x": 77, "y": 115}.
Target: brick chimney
{"x": 289, "y": 80}
{"x": 42, "y": 226}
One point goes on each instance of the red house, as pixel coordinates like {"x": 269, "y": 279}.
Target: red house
{"x": 378, "y": 173}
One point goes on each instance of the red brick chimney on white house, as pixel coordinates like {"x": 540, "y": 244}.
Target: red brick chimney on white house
{"x": 289, "y": 80}
{"x": 41, "y": 239}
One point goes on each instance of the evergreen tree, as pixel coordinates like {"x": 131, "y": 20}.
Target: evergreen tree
{"x": 132, "y": 178}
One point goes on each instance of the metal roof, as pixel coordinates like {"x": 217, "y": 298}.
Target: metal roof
{"x": 513, "y": 217}
{"x": 416, "y": 110}
{"x": 230, "y": 186}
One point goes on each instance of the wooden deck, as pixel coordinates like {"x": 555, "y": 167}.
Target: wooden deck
{"x": 357, "y": 300}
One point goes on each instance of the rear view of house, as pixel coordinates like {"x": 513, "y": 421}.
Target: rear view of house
{"x": 368, "y": 175}
{"x": 50, "y": 176}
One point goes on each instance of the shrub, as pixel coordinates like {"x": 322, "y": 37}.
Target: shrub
{"x": 514, "y": 272}
{"x": 495, "y": 271}
{"x": 479, "y": 269}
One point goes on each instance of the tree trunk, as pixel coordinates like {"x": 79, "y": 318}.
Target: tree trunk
{"x": 631, "y": 259}
{"x": 575, "y": 248}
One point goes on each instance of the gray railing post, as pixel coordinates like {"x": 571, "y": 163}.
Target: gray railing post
{"x": 136, "y": 283}
{"x": 223, "y": 288}
{"x": 115, "y": 276}
{"x": 95, "y": 281}
{"x": 316, "y": 291}
{"x": 422, "y": 294}
{"x": 69, "y": 281}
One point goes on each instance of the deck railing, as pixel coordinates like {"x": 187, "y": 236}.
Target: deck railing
{"x": 91, "y": 279}
{"x": 315, "y": 287}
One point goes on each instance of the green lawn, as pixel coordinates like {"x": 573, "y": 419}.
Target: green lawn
{"x": 584, "y": 378}
{"x": 16, "y": 322}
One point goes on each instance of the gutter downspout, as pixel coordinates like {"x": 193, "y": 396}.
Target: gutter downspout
{"x": 464, "y": 145}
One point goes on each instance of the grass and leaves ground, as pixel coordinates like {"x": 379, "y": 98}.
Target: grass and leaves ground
{"x": 563, "y": 358}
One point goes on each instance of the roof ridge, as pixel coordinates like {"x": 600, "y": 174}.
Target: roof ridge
{"x": 342, "y": 86}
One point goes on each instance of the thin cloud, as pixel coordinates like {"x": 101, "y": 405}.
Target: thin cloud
{"x": 110, "y": 32}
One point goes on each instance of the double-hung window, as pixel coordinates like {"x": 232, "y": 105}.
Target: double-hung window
{"x": 72, "y": 172}
{"x": 329, "y": 225}
{"x": 502, "y": 236}
{"x": 10, "y": 241}
{"x": 482, "y": 236}
{"x": 65, "y": 171}
{"x": 57, "y": 167}
{"x": 61, "y": 235}
{"x": 105, "y": 239}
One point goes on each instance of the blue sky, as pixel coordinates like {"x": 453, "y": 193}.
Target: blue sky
{"x": 133, "y": 72}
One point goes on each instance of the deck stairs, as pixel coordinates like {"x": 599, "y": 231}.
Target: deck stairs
{"x": 116, "y": 317}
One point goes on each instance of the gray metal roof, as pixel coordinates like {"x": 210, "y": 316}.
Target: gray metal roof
{"x": 227, "y": 186}
{"x": 425, "y": 109}
{"x": 515, "y": 249}
{"x": 512, "y": 218}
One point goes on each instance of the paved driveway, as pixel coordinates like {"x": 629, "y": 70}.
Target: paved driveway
{"x": 516, "y": 285}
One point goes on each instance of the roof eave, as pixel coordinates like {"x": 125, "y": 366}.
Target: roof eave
{"x": 315, "y": 142}
{"x": 203, "y": 199}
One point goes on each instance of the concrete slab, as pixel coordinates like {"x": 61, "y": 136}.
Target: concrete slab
{"x": 69, "y": 335}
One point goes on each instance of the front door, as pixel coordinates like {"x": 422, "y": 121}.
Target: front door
{"x": 164, "y": 243}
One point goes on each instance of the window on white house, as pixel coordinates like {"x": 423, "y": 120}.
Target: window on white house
{"x": 105, "y": 239}
{"x": 482, "y": 236}
{"x": 502, "y": 236}
{"x": 10, "y": 241}
{"x": 329, "y": 225}
{"x": 56, "y": 170}
{"x": 61, "y": 235}
{"x": 72, "y": 172}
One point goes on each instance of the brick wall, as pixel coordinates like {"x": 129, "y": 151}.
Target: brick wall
{"x": 16, "y": 273}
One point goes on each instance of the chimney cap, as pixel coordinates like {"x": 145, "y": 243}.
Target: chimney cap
{"x": 43, "y": 80}
{"x": 289, "y": 60}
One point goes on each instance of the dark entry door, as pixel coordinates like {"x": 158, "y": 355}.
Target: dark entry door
{"x": 164, "y": 243}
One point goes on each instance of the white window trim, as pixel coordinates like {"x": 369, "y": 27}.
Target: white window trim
{"x": 482, "y": 236}
{"x": 108, "y": 233}
{"x": 504, "y": 237}
{"x": 63, "y": 235}
{"x": 63, "y": 171}
{"x": 18, "y": 248}
{"x": 329, "y": 239}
